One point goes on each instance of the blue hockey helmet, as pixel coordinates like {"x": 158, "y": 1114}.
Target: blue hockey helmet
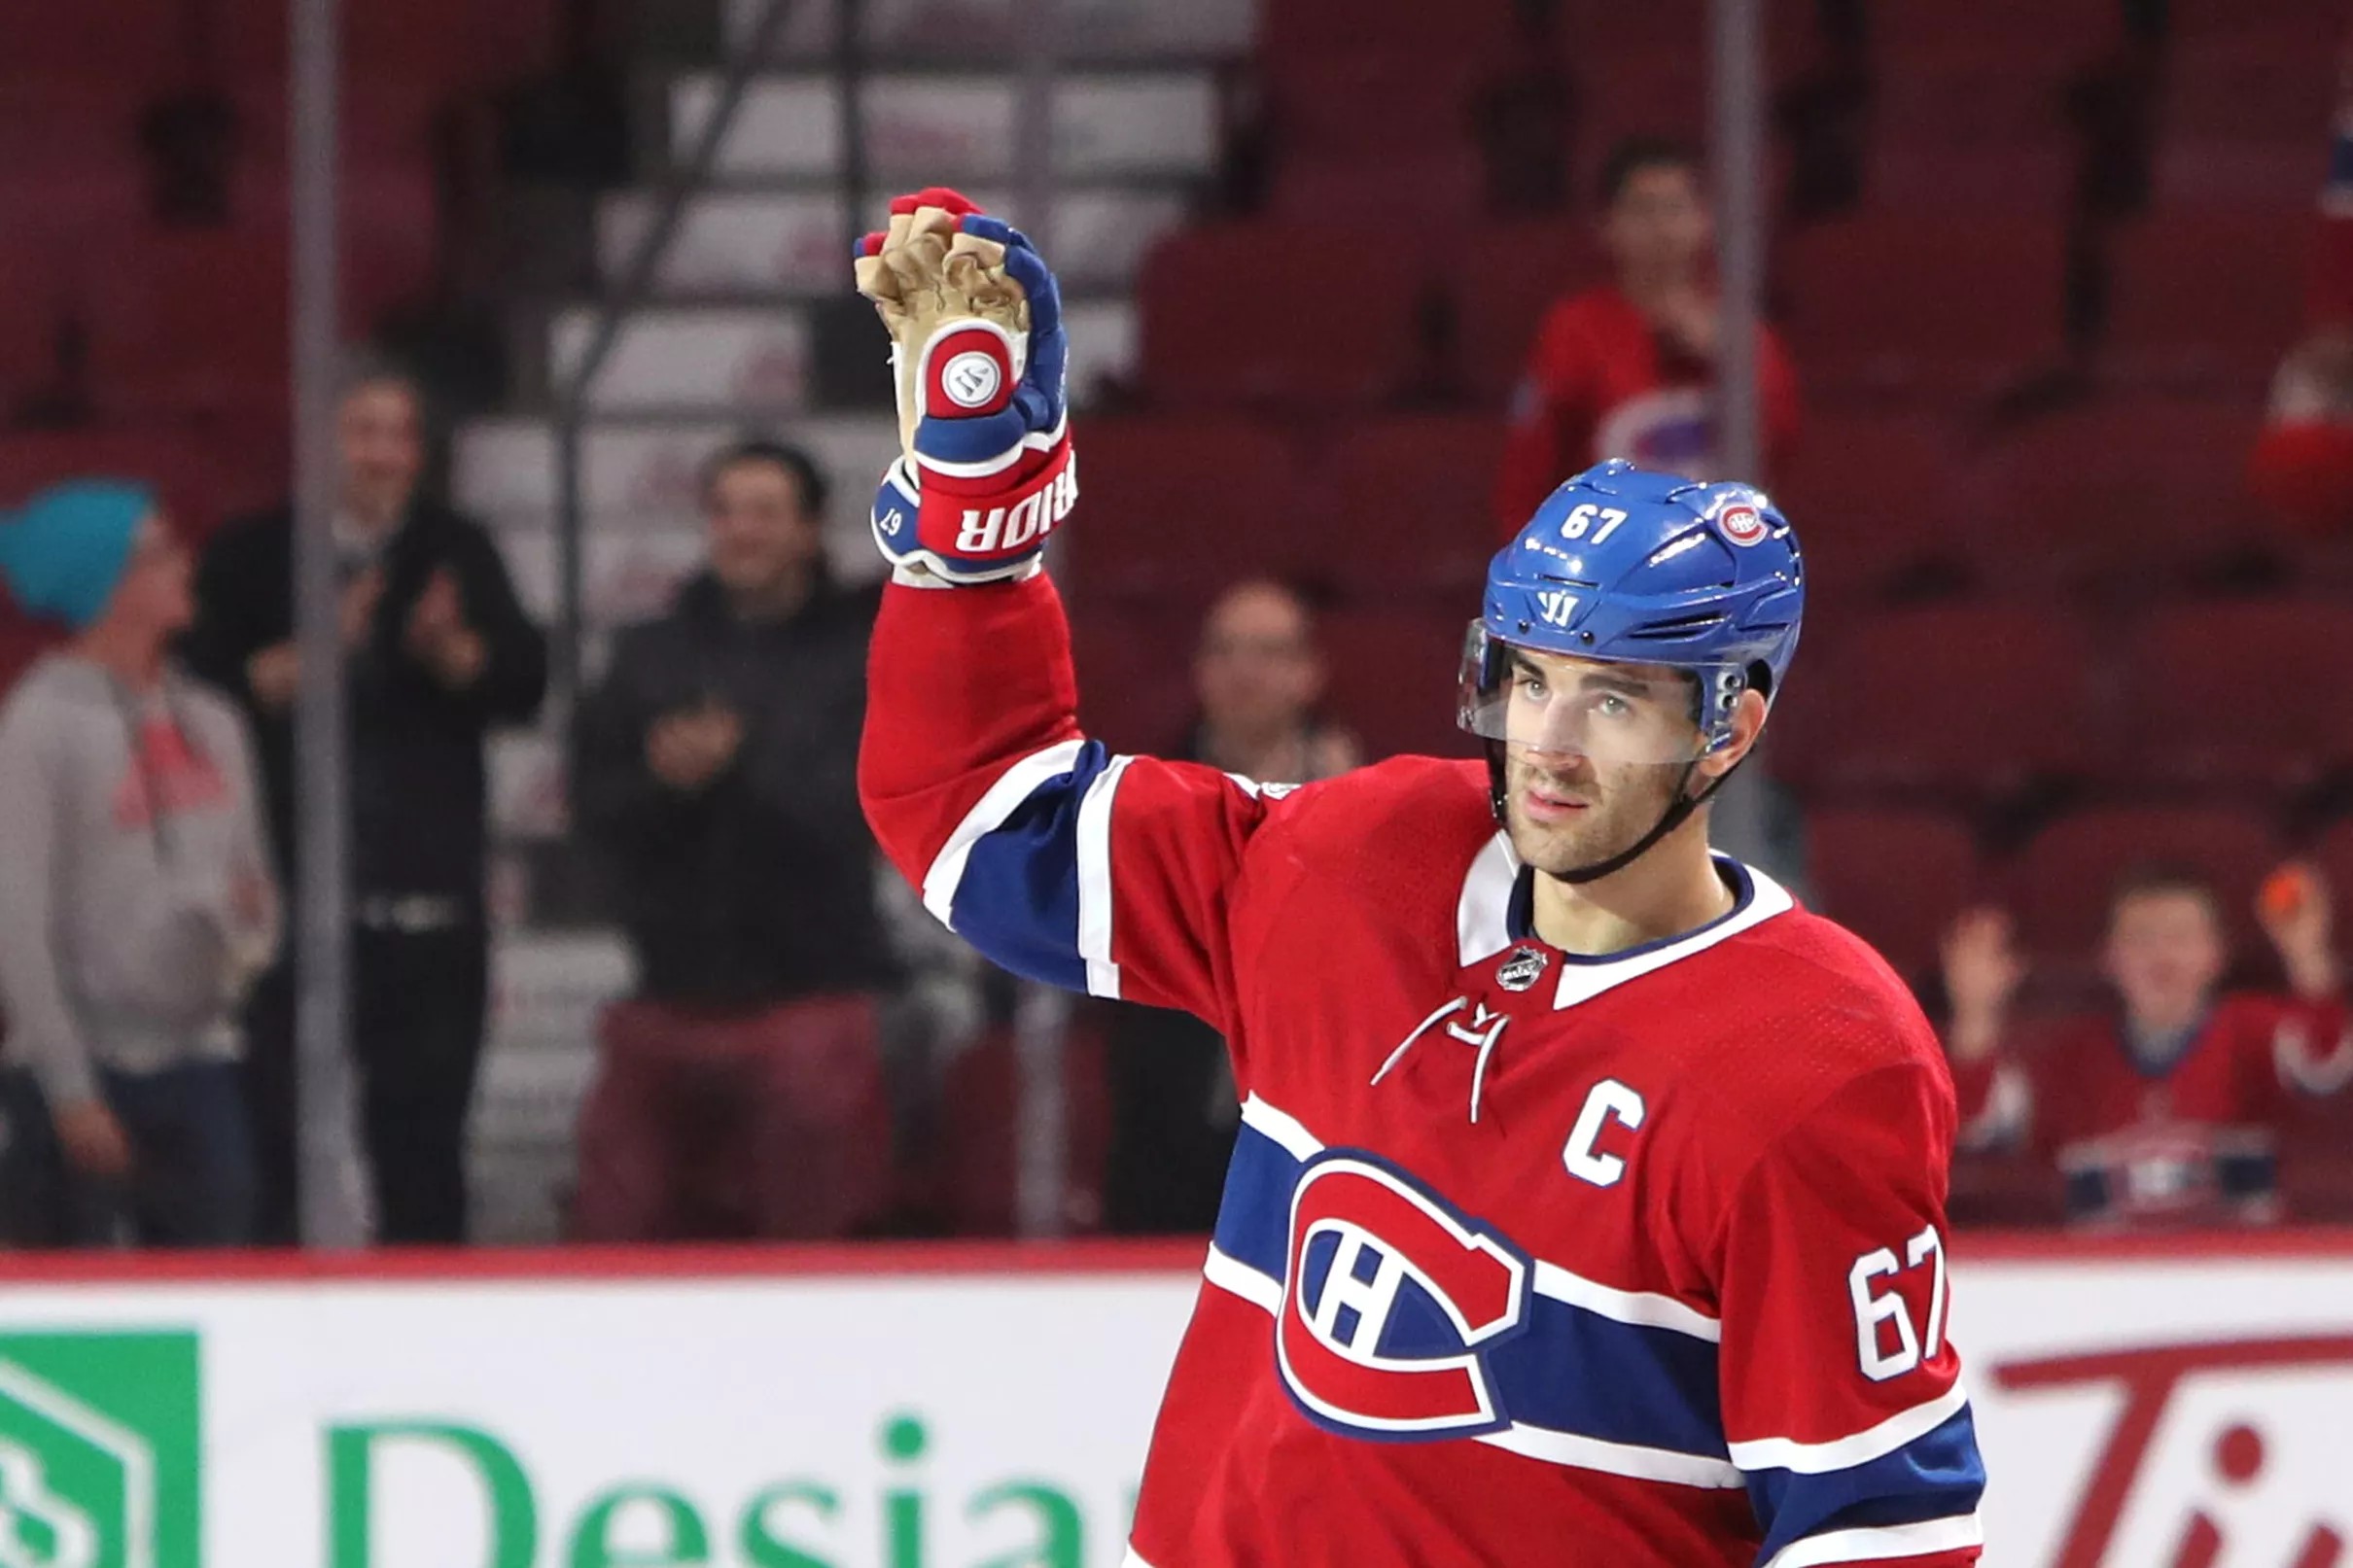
{"x": 1625, "y": 564}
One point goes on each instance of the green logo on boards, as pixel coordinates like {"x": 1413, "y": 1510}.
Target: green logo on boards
{"x": 98, "y": 1450}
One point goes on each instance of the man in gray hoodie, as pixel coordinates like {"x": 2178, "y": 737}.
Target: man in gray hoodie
{"x": 136, "y": 897}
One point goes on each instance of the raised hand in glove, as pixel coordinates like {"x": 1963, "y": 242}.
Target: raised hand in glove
{"x": 976, "y": 339}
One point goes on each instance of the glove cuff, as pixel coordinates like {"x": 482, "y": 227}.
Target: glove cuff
{"x": 977, "y": 528}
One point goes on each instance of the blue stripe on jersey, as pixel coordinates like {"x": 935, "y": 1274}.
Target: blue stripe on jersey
{"x": 1936, "y": 1475}
{"x": 1572, "y": 1370}
{"x": 1018, "y": 899}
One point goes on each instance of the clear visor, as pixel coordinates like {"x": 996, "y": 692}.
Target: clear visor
{"x": 1557, "y": 705}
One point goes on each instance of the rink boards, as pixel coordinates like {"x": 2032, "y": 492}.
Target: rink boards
{"x": 953, "y": 1406}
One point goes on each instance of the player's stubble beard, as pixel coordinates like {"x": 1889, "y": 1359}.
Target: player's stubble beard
{"x": 1622, "y": 803}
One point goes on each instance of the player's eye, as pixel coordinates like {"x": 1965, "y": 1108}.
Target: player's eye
{"x": 1609, "y": 704}
{"x": 1527, "y": 683}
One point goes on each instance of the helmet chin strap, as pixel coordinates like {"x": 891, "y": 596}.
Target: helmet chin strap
{"x": 1677, "y": 812}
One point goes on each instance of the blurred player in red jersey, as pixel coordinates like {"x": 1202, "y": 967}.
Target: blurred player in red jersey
{"x": 1586, "y": 1205}
{"x": 2162, "y": 1112}
{"x": 1626, "y": 370}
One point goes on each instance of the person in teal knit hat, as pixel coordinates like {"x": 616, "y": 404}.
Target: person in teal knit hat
{"x": 136, "y": 899}
{"x": 64, "y": 552}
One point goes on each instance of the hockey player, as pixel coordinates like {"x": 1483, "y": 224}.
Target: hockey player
{"x": 1588, "y": 1207}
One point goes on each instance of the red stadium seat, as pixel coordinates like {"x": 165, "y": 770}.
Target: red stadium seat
{"x": 1178, "y": 507}
{"x": 1292, "y": 32}
{"x": 1998, "y": 91}
{"x": 1135, "y": 664}
{"x": 1373, "y": 103}
{"x": 1935, "y": 299}
{"x": 1504, "y": 278}
{"x": 2273, "y": 83}
{"x": 2061, "y": 883}
{"x": 125, "y": 41}
{"x": 2121, "y": 491}
{"x": 980, "y": 1134}
{"x": 1895, "y": 877}
{"x": 2212, "y": 294}
{"x": 1872, "y": 497}
{"x": 1414, "y": 519}
{"x": 1318, "y": 315}
{"x": 192, "y": 321}
{"x": 1392, "y": 678}
{"x": 191, "y": 477}
{"x": 2029, "y": 30}
{"x": 2241, "y": 695}
{"x": 1436, "y": 184}
{"x": 1964, "y": 702}
{"x": 457, "y": 44}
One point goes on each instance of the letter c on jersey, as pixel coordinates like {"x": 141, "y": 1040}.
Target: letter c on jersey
{"x": 1609, "y": 1101}
{"x": 1392, "y": 1304}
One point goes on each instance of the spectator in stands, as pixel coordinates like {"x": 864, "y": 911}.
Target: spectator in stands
{"x": 136, "y": 899}
{"x": 438, "y": 651}
{"x": 2302, "y": 466}
{"x": 1259, "y": 678}
{"x": 2163, "y": 1111}
{"x": 1626, "y": 369}
{"x": 740, "y": 1090}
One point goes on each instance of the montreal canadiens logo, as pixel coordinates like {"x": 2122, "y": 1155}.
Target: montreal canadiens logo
{"x": 971, "y": 378}
{"x": 1392, "y": 1305}
{"x": 1742, "y": 524}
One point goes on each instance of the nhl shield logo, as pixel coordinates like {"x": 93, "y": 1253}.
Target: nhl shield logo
{"x": 1522, "y": 969}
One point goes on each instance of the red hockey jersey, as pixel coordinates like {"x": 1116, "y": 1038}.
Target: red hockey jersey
{"x": 1524, "y": 1257}
{"x": 2183, "y": 1143}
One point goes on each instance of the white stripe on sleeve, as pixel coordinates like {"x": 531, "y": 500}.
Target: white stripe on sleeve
{"x": 1921, "y": 1540}
{"x": 1095, "y": 879}
{"x": 1844, "y": 1453}
{"x": 1014, "y": 785}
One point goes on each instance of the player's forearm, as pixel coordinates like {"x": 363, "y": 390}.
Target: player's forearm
{"x": 963, "y": 683}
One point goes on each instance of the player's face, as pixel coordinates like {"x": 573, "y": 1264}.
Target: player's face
{"x": 2166, "y": 953}
{"x": 760, "y": 531}
{"x": 1594, "y": 752}
{"x": 1660, "y": 222}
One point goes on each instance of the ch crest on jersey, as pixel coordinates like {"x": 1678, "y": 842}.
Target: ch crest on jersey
{"x": 1392, "y": 1304}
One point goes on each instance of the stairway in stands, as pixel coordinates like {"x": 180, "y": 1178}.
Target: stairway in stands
{"x": 751, "y": 328}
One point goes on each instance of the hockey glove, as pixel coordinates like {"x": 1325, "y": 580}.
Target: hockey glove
{"x": 979, "y": 357}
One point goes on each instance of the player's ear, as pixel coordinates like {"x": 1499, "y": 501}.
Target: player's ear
{"x": 1747, "y": 724}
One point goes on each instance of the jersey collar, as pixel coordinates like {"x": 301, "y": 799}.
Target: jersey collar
{"x": 1492, "y": 912}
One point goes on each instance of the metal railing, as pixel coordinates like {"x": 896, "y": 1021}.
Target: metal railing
{"x": 682, "y": 179}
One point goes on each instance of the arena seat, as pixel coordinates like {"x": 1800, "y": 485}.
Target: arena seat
{"x": 2120, "y": 493}
{"x": 1896, "y": 877}
{"x": 979, "y": 1141}
{"x": 1872, "y": 497}
{"x": 1372, "y": 104}
{"x": 1133, "y": 660}
{"x": 1320, "y": 316}
{"x": 1392, "y": 678}
{"x": 195, "y": 480}
{"x": 1956, "y": 702}
{"x": 2061, "y": 881}
{"x": 1504, "y": 278}
{"x": 1438, "y": 183}
{"x": 1294, "y": 32}
{"x": 1933, "y": 299}
{"x": 2210, "y": 294}
{"x": 1412, "y": 519}
{"x": 2241, "y": 695}
{"x": 1180, "y": 506}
